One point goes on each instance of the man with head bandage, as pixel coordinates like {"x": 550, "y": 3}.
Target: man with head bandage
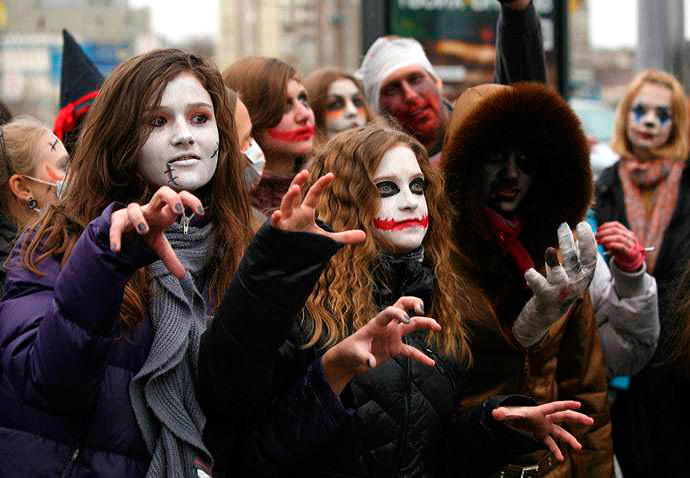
{"x": 400, "y": 81}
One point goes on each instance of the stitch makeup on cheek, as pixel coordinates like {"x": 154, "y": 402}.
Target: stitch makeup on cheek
{"x": 402, "y": 218}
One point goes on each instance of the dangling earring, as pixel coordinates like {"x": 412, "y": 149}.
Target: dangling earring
{"x": 32, "y": 204}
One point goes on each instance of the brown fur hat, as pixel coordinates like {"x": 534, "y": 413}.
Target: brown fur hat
{"x": 534, "y": 118}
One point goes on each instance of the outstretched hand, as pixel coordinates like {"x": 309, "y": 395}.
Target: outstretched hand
{"x": 564, "y": 283}
{"x": 299, "y": 215}
{"x": 542, "y": 422}
{"x": 151, "y": 220}
{"x": 378, "y": 341}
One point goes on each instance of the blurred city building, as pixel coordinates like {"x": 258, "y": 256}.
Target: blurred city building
{"x": 305, "y": 33}
{"x": 31, "y": 45}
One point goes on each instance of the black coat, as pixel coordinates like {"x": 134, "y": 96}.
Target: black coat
{"x": 650, "y": 419}
{"x": 271, "y": 413}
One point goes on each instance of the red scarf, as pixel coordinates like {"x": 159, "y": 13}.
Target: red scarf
{"x": 507, "y": 233}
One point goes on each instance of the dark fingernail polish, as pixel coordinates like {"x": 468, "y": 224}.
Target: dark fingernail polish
{"x": 551, "y": 257}
{"x": 178, "y": 208}
{"x": 141, "y": 227}
{"x": 200, "y": 210}
{"x": 406, "y": 318}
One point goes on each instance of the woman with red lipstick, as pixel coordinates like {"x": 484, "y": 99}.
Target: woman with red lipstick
{"x": 282, "y": 122}
{"x": 344, "y": 395}
{"x": 648, "y": 191}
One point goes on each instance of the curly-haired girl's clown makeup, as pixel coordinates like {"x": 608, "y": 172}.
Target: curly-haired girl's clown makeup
{"x": 402, "y": 218}
{"x": 345, "y": 107}
{"x": 650, "y": 119}
{"x": 182, "y": 148}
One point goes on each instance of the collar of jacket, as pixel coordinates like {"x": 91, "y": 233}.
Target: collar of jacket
{"x": 8, "y": 233}
{"x": 398, "y": 275}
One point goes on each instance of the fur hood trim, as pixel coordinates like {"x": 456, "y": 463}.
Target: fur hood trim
{"x": 535, "y": 119}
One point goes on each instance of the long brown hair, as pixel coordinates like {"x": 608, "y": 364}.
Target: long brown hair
{"x": 345, "y": 288}
{"x": 317, "y": 84}
{"x": 104, "y": 170}
{"x": 262, "y": 83}
{"x": 677, "y": 145}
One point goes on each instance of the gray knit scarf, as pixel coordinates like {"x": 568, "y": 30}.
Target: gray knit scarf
{"x": 162, "y": 393}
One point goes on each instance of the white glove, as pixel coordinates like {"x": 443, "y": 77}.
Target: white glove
{"x": 553, "y": 295}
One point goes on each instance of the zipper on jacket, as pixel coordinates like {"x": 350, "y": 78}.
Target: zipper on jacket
{"x": 70, "y": 464}
{"x": 406, "y": 412}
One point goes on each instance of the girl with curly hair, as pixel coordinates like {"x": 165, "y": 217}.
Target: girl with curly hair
{"x": 330, "y": 391}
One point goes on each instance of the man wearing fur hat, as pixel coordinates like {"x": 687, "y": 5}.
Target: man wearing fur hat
{"x": 400, "y": 82}
{"x": 517, "y": 172}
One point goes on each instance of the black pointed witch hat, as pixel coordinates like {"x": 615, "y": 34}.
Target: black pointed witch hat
{"x": 79, "y": 85}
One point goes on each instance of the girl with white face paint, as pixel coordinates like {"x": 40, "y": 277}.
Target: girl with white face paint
{"x": 338, "y": 101}
{"x": 337, "y": 358}
{"x": 402, "y": 218}
{"x": 647, "y": 191}
{"x": 181, "y": 150}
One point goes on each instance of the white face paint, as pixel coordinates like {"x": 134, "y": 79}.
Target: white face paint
{"x": 650, "y": 119}
{"x": 345, "y": 107}
{"x": 402, "y": 218}
{"x": 182, "y": 149}
{"x": 506, "y": 180}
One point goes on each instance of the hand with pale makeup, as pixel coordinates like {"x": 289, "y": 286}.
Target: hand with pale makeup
{"x": 377, "y": 342}
{"x": 542, "y": 422}
{"x": 622, "y": 244}
{"x": 299, "y": 215}
{"x": 564, "y": 283}
{"x": 151, "y": 220}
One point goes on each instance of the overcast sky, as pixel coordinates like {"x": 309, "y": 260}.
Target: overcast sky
{"x": 612, "y": 23}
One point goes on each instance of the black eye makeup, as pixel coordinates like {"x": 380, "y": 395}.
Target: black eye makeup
{"x": 417, "y": 186}
{"x": 387, "y": 188}
{"x": 336, "y": 103}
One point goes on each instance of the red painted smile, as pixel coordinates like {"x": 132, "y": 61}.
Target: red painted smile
{"x": 392, "y": 225}
{"x": 295, "y": 136}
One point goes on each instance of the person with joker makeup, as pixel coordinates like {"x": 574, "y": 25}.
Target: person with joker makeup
{"x": 338, "y": 101}
{"x": 516, "y": 166}
{"x": 342, "y": 394}
{"x": 648, "y": 191}
{"x": 109, "y": 294}
{"x": 282, "y": 122}
{"x": 401, "y": 83}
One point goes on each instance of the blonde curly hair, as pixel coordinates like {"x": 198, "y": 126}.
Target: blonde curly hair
{"x": 344, "y": 291}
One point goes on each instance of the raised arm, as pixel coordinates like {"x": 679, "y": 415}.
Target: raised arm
{"x": 519, "y": 44}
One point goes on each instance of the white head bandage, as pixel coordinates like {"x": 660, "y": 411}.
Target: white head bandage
{"x": 385, "y": 56}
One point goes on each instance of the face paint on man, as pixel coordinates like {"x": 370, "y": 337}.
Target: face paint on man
{"x": 182, "y": 149}
{"x": 412, "y": 96}
{"x": 345, "y": 107}
{"x": 650, "y": 119}
{"x": 506, "y": 180}
{"x": 402, "y": 218}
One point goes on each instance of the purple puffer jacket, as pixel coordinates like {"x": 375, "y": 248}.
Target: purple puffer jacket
{"x": 65, "y": 367}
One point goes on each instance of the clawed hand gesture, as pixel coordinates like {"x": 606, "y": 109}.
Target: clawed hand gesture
{"x": 542, "y": 422}
{"x": 565, "y": 281}
{"x": 296, "y": 214}
{"x": 378, "y": 341}
{"x": 151, "y": 220}
{"x": 165, "y": 207}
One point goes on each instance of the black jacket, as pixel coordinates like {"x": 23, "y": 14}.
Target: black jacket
{"x": 650, "y": 418}
{"x": 271, "y": 413}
